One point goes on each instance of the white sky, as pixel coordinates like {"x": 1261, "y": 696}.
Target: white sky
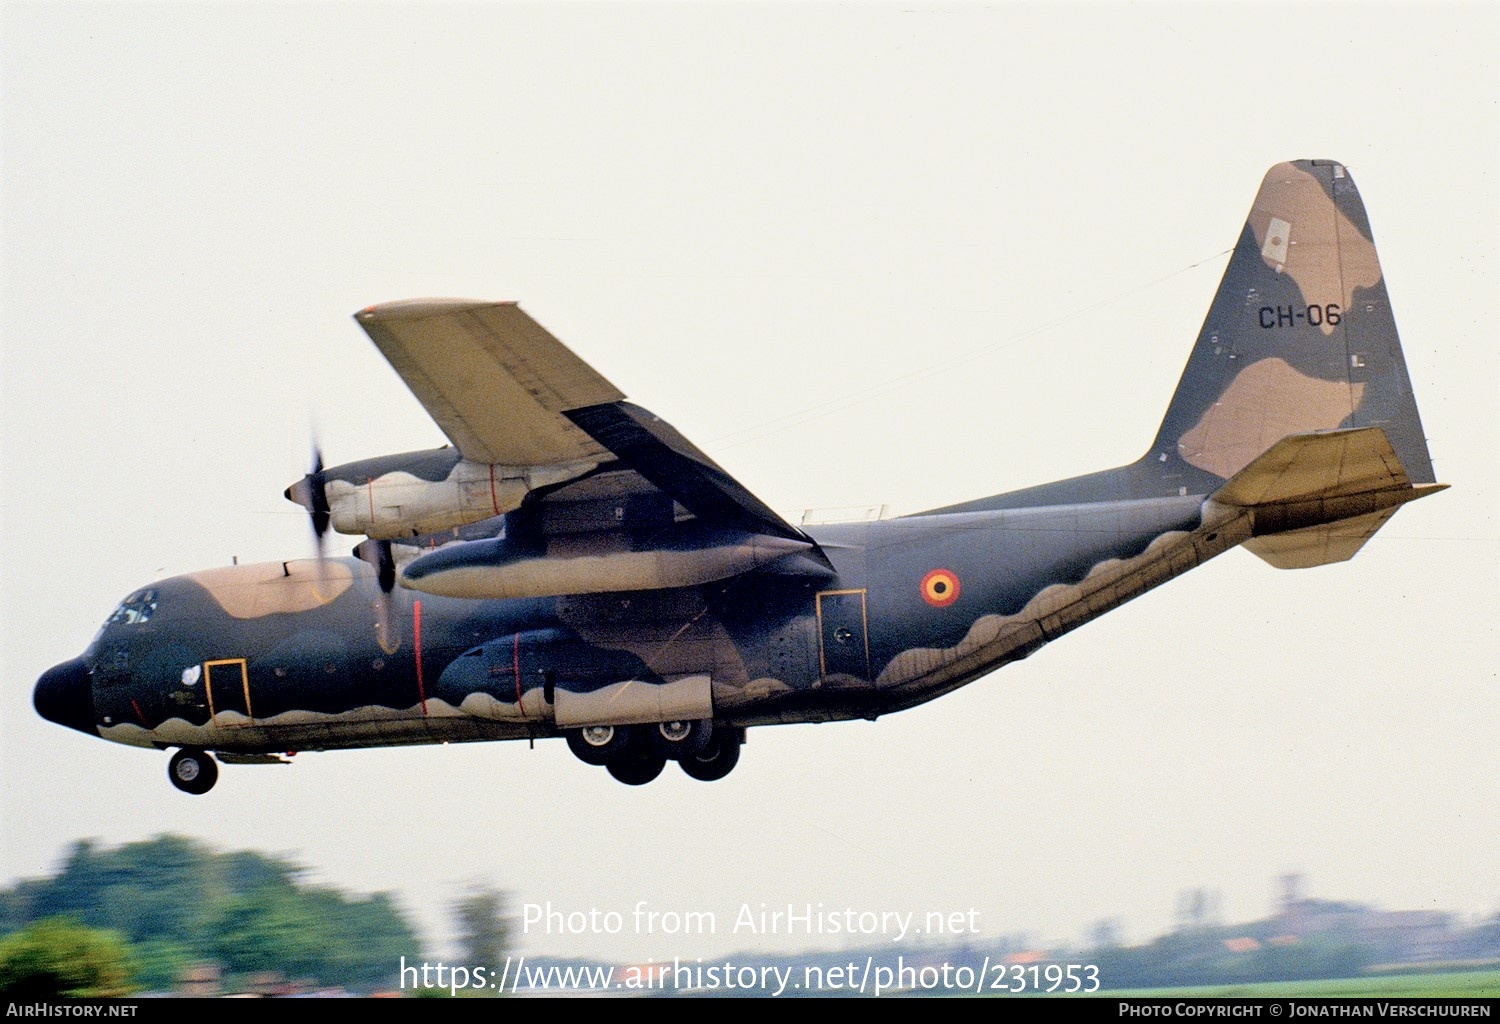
{"x": 861, "y": 253}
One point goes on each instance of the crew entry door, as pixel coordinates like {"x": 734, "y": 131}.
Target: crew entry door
{"x": 843, "y": 646}
{"x": 227, "y": 684}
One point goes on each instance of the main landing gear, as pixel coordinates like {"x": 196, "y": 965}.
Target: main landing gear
{"x": 193, "y": 771}
{"x": 637, "y": 754}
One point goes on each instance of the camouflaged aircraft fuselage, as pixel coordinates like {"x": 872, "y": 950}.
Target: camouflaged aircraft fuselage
{"x": 620, "y": 589}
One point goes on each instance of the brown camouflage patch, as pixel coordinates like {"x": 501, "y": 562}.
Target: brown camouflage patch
{"x": 272, "y": 588}
{"x": 1265, "y": 402}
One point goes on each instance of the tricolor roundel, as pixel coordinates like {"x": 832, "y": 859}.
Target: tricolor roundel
{"x": 940, "y": 588}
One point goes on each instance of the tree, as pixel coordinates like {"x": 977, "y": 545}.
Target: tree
{"x": 179, "y": 903}
{"x": 162, "y": 888}
{"x": 483, "y": 931}
{"x": 60, "y": 957}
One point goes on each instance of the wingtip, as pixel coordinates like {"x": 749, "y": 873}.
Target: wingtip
{"x": 415, "y": 309}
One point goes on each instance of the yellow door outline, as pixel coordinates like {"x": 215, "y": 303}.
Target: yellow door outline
{"x": 864, "y": 618}
{"x": 208, "y": 684}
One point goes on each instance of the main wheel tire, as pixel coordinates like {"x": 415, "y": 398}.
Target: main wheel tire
{"x": 193, "y": 771}
{"x": 636, "y": 769}
{"x": 718, "y": 758}
{"x": 681, "y": 739}
{"x": 599, "y": 744}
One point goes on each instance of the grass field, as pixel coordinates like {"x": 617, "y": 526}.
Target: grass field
{"x": 1446, "y": 985}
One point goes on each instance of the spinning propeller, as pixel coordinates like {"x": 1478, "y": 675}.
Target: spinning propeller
{"x": 311, "y": 492}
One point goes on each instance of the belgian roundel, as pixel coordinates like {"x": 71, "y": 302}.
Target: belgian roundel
{"x": 940, "y": 588}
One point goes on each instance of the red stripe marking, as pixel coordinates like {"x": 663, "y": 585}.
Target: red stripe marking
{"x": 515, "y": 654}
{"x": 370, "y": 490}
{"x": 416, "y": 641}
{"x": 139, "y": 715}
{"x": 494, "y": 501}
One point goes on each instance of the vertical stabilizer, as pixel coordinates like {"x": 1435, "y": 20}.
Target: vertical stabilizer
{"x": 1299, "y": 337}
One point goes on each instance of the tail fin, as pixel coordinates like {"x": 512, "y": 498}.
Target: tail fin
{"x": 1299, "y": 338}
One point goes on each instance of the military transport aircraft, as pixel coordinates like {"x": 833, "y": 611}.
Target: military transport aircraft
{"x": 573, "y": 567}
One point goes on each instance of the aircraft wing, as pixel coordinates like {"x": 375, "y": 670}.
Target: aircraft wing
{"x": 675, "y": 466}
{"x": 494, "y": 379}
{"x": 506, "y": 391}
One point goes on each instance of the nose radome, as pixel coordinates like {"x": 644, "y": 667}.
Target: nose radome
{"x": 65, "y": 695}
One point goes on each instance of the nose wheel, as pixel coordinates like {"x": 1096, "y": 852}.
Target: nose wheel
{"x": 193, "y": 771}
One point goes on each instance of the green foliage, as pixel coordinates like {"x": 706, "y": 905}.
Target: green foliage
{"x": 180, "y": 903}
{"x": 161, "y": 889}
{"x": 268, "y": 930}
{"x": 60, "y": 957}
{"x": 312, "y": 933}
{"x": 159, "y": 964}
{"x": 483, "y": 931}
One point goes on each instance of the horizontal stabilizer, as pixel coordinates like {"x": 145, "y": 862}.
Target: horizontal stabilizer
{"x": 1315, "y": 498}
{"x": 1317, "y": 465}
{"x": 1318, "y": 545}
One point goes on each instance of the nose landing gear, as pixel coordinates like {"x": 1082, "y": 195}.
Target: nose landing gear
{"x": 193, "y": 771}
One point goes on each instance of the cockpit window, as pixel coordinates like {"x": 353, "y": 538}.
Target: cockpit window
{"x": 134, "y": 610}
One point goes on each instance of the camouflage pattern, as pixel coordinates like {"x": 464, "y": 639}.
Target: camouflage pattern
{"x": 1262, "y": 368}
{"x": 643, "y": 587}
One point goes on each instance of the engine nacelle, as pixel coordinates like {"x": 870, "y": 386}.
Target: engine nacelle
{"x": 685, "y": 554}
{"x": 413, "y": 493}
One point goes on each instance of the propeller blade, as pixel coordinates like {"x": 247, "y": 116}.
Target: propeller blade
{"x": 311, "y": 492}
{"x": 317, "y": 493}
{"x": 378, "y": 554}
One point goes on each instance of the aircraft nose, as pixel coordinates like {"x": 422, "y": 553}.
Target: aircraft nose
{"x": 65, "y": 695}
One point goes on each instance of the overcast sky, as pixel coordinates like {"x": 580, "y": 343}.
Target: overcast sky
{"x": 861, "y": 253}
